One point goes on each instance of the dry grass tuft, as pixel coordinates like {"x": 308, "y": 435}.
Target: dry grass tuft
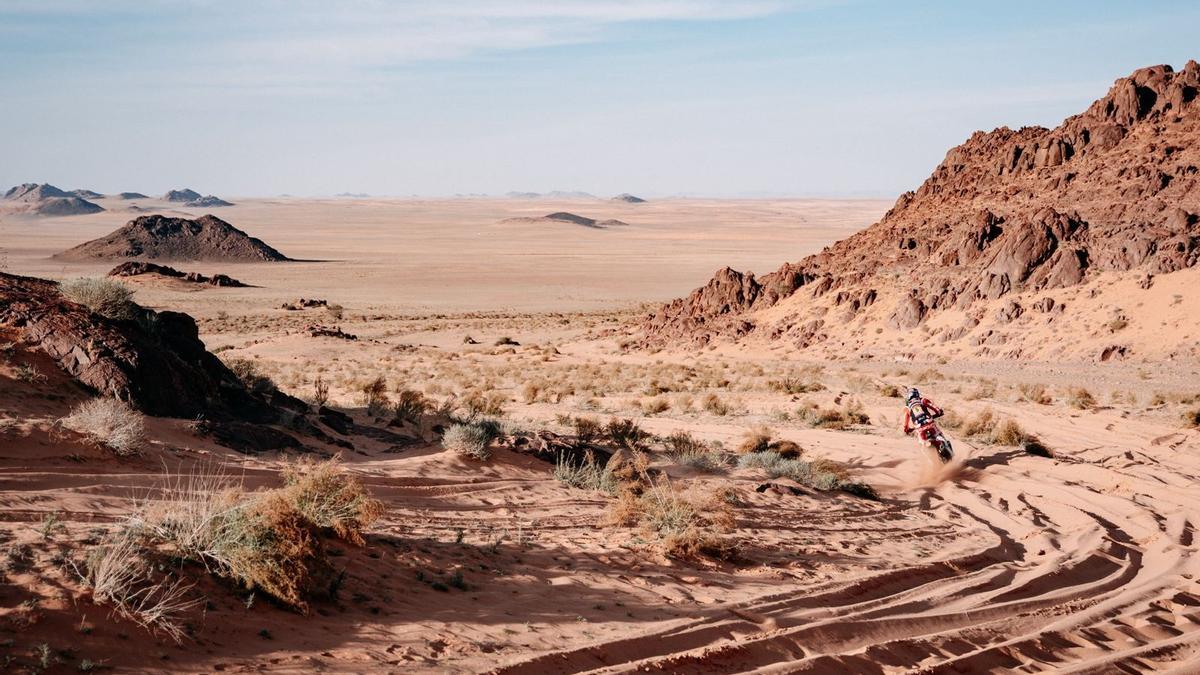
{"x": 686, "y": 450}
{"x": 106, "y": 297}
{"x": 1080, "y": 398}
{"x": 470, "y": 439}
{"x": 267, "y": 540}
{"x": 686, "y": 523}
{"x": 762, "y": 439}
{"x": 329, "y": 497}
{"x": 848, "y": 414}
{"x": 119, "y": 575}
{"x": 109, "y": 422}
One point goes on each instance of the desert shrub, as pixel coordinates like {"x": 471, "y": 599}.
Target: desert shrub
{"x": 374, "y": 396}
{"x": 1035, "y": 393}
{"x": 478, "y": 403}
{"x": 686, "y": 450}
{"x": 530, "y": 392}
{"x": 587, "y": 429}
{"x": 585, "y": 475}
{"x": 251, "y": 377}
{"x": 755, "y": 440}
{"x": 794, "y": 385}
{"x": 1009, "y": 432}
{"x": 331, "y": 498}
{"x": 686, "y": 523}
{"x": 655, "y": 406}
{"x": 106, "y": 297}
{"x": 29, "y": 374}
{"x": 119, "y": 575}
{"x": 267, "y": 540}
{"x": 336, "y": 311}
{"x": 410, "y": 406}
{"x": 1191, "y": 418}
{"x": 109, "y": 422}
{"x": 266, "y": 544}
{"x": 986, "y": 427}
{"x": 848, "y": 414}
{"x": 1117, "y": 324}
{"x": 320, "y": 392}
{"x": 626, "y": 433}
{"x": 1034, "y": 446}
{"x": 507, "y": 342}
{"x": 713, "y": 404}
{"x": 1080, "y": 398}
{"x": 469, "y": 439}
{"x": 890, "y": 391}
{"x": 819, "y": 474}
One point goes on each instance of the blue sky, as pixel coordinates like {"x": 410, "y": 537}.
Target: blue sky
{"x": 438, "y": 97}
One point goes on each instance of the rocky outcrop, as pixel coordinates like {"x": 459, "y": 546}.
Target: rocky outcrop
{"x": 1113, "y": 189}
{"x": 628, "y": 198}
{"x": 162, "y": 238}
{"x": 208, "y": 201}
{"x": 156, "y": 362}
{"x": 184, "y": 195}
{"x": 561, "y": 217}
{"x": 131, "y": 195}
{"x": 86, "y": 194}
{"x": 46, "y": 200}
{"x": 137, "y": 268}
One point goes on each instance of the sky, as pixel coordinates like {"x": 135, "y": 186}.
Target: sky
{"x": 713, "y": 98}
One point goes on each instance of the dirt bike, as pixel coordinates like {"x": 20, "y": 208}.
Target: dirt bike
{"x": 930, "y": 435}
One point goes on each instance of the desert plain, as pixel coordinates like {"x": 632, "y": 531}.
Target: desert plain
{"x": 1061, "y": 537}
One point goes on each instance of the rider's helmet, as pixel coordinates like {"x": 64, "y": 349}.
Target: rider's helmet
{"x": 913, "y": 395}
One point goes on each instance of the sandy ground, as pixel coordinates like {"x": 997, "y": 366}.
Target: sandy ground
{"x": 999, "y": 562}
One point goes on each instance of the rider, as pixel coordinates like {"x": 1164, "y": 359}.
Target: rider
{"x": 919, "y": 411}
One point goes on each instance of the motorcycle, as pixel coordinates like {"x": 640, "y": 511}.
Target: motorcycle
{"x": 930, "y": 435}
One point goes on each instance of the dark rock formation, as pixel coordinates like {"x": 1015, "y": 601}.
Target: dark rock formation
{"x": 1114, "y": 188}
{"x": 628, "y": 198}
{"x": 156, "y": 362}
{"x": 86, "y": 194}
{"x": 163, "y": 238}
{"x": 132, "y": 195}
{"x": 137, "y": 268}
{"x": 184, "y": 195}
{"x": 208, "y": 201}
{"x": 569, "y": 218}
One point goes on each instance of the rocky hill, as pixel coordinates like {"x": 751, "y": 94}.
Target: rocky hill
{"x": 131, "y": 195}
{"x": 160, "y": 237}
{"x": 208, "y": 201}
{"x": 44, "y": 199}
{"x": 628, "y": 198}
{"x": 1007, "y": 218}
{"x": 184, "y": 195}
{"x": 563, "y": 217}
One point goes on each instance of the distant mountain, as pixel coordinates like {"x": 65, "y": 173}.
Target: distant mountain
{"x": 353, "y": 195}
{"x": 556, "y": 194}
{"x": 207, "y": 201}
{"x": 184, "y": 195}
{"x": 562, "y": 217}
{"x": 33, "y": 192}
{"x": 628, "y": 198}
{"x": 44, "y": 199}
{"x": 132, "y": 195}
{"x": 86, "y": 194}
{"x": 159, "y": 237}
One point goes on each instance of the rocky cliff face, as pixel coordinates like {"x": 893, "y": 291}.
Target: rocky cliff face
{"x": 1113, "y": 189}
